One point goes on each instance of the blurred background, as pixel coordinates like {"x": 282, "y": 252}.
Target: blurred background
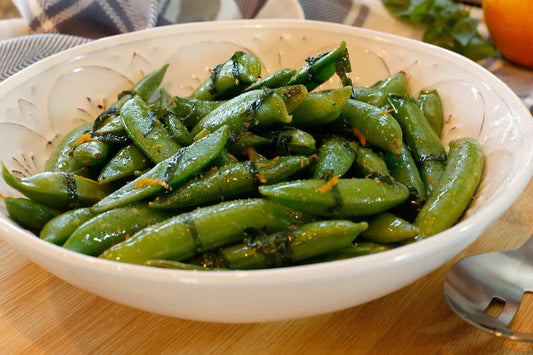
{"x": 8, "y": 10}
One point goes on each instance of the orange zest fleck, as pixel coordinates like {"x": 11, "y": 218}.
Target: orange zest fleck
{"x": 214, "y": 168}
{"x": 359, "y": 136}
{"x": 85, "y": 138}
{"x": 386, "y": 112}
{"x": 157, "y": 146}
{"x": 261, "y": 178}
{"x": 147, "y": 182}
{"x": 232, "y": 157}
{"x": 329, "y": 185}
{"x": 272, "y": 161}
{"x": 302, "y": 162}
{"x": 430, "y": 180}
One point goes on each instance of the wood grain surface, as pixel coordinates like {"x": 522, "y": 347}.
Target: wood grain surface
{"x": 40, "y": 314}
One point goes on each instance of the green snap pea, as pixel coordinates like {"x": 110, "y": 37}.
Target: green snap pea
{"x": 334, "y": 159}
{"x": 224, "y": 158}
{"x": 292, "y": 95}
{"x": 346, "y": 198}
{"x": 191, "y": 111}
{"x": 388, "y": 228}
{"x": 427, "y": 150}
{"x": 182, "y": 236}
{"x": 458, "y": 184}
{"x": 320, "y": 108}
{"x": 239, "y": 112}
{"x": 230, "y": 78}
{"x": 322, "y": 67}
{"x": 293, "y": 141}
{"x": 289, "y": 246}
{"x": 368, "y": 164}
{"x": 58, "y": 190}
{"x": 359, "y": 248}
{"x": 178, "y": 265}
{"x": 395, "y": 84}
{"x": 248, "y": 140}
{"x": 149, "y": 84}
{"x": 111, "y": 227}
{"x": 128, "y": 161}
{"x": 376, "y": 126}
{"x": 59, "y": 228}
{"x": 62, "y": 160}
{"x": 170, "y": 172}
{"x": 403, "y": 169}
{"x": 146, "y": 131}
{"x": 91, "y": 153}
{"x": 231, "y": 181}
{"x": 431, "y": 105}
{"x": 29, "y": 214}
{"x": 275, "y": 80}
{"x": 378, "y": 93}
{"x": 108, "y": 127}
{"x": 177, "y": 129}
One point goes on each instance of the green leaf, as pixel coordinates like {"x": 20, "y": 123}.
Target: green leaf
{"x": 448, "y": 25}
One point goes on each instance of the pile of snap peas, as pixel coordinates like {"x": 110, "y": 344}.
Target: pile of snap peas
{"x": 250, "y": 172}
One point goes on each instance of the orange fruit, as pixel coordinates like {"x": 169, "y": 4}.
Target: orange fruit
{"x": 510, "y": 24}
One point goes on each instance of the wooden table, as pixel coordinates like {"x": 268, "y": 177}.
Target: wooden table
{"x": 40, "y": 313}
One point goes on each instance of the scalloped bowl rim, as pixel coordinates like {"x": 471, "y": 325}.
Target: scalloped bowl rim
{"x": 288, "y": 274}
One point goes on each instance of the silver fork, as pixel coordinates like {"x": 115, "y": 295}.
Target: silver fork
{"x": 474, "y": 282}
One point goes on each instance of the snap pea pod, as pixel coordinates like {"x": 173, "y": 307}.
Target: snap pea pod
{"x": 191, "y": 111}
{"x": 59, "y": 228}
{"x": 293, "y": 141}
{"x": 403, "y": 169}
{"x": 108, "y": 126}
{"x": 368, "y": 164}
{"x": 29, "y": 214}
{"x": 91, "y": 153}
{"x": 359, "y": 248}
{"x": 292, "y": 95}
{"x": 102, "y": 231}
{"x": 289, "y": 246}
{"x": 239, "y": 112}
{"x": 148, "y": 133}
{"x": 170, "y": 172}
{"x": 61, "y": 159}
{"x": 177, "y": 129}
{"x": 427, "y": 150}
{"x": 375, "y": 125}
{"x": 125, "y": 163}
{"x": 338, "y": 198}
{"x": 458, "y": 184}
{"x": 224, "y": 158}
{"x": 248, "y": 140}
{"x": 334, "y": 159}
{"x": 377, "y": 95}
{"x": 230, "y": 78}
{"x": 388, "y": 228}
{"x": 320, "y": 108}
{"x": 231, "y": 181}
{"x": 58, "y": 190}
{"x": 322, "y": 67}
{"x": 431, "y": 105}
{"x": 275, "y": 80}
{"x": 181, "y": 237}
{"x": 178, "y": 265}
{"x": 147, "y": 86}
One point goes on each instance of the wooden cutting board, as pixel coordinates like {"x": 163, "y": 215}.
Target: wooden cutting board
{"x": 40, "y": 314}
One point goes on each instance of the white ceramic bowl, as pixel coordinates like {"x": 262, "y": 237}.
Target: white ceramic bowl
{"x": 41, "y": 103}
